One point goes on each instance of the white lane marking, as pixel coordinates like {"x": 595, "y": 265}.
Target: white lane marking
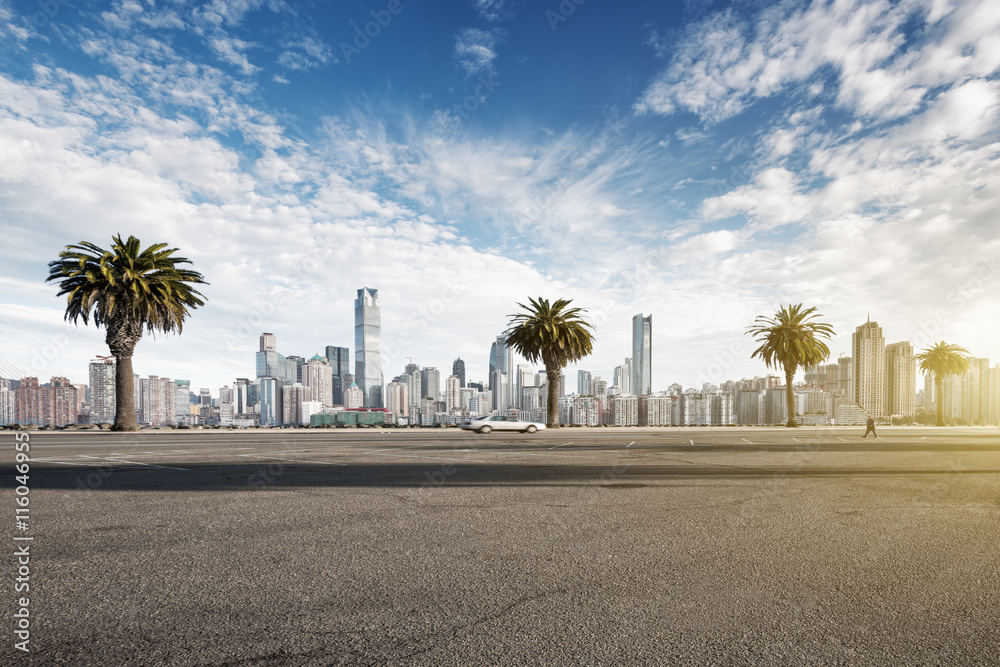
{"x": 841, "y": 439}
{"x": 629, "y": 444}
{"x": 923, "y": 437}
{"x": 562, "y": 445}
{"x": 430, "y": 458}
{"x": 797, "y": 440}
{"x": 135, "y": 463}
{"x": 691, "y": 441}
{"x": 275, "y": 458}
{"x": 746, "y": 441}
{"x": 85, "y": 465}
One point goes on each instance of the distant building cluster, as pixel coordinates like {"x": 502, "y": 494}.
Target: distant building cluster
{"x": 877, "y": 380}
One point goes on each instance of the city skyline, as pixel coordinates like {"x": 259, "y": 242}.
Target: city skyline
{"x": 469, "y": 158}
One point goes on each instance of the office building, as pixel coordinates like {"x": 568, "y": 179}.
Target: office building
{"x": 430, "y": 383}
{"x": 271, "y": 407}
{"x": 642, "y": 354}
{"x": 584, "y": 385}
{"x": 458, "y": 370}
{"x": 868, "y": 352}
{"x": 367, "y": 346}
{"x": 340, "y": 366}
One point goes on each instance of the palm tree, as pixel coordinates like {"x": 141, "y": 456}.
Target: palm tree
{"x": 126, "y": 289}
{"x": 790, "y": 339}
{"x": 943, "y": 359}
{"x": 555, "y": 334}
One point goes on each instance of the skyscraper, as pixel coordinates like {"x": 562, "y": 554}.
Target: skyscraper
{"x": 583, "y": 383}
{"x": 367, "y": 344}
{"x": 430, "y": 383}
{"x": 642, "y": 354}
{"x": 269, "y": 362}
{"x": 452, "y": 397}
{"x": 339, "y": 360}
{"x": 458, "y": 370}
{"x": 502, "y": 378}
{"x": 102, "y": 390}
{"x": 900, "y": 380}
{"x": 318, "y": 377}
{"x": 869, "y": 368}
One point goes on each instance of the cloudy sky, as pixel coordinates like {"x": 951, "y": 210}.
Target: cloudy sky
{"x": 703, "y": 162}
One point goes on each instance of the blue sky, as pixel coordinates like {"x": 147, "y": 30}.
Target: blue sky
{"x": 703, "y": 162}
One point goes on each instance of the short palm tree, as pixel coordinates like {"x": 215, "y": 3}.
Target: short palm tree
{"x": 555, "y": 334}
{"x": 126, "y": 289}
{"x": 943, "y": 359}
{"x": 791, "y": 339}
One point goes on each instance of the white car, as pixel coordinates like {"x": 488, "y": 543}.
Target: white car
{"x": 500, "y": 423}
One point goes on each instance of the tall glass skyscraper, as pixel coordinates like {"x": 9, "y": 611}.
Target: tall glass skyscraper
{"x": 367, "y": 341}
{"x": 642, "y": 355}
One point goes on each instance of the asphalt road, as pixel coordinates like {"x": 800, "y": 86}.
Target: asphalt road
{"x": 577, "y": 546}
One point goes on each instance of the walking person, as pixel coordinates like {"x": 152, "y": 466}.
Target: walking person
{"x": 870, "y": 429}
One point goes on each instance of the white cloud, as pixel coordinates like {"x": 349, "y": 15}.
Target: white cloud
{"x": 475, "y": 50}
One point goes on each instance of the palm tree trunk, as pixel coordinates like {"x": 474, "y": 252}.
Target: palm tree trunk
{"x": 939, "y": 390}
{"x": 122, "y": 336}
{"x": 124, "y": 396}
{"x": 552, "y": 398}
{"x": 790, "y": 396}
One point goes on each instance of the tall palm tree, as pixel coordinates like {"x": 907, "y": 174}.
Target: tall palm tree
{"x": 943, "y": 359}
{"x": 126, "y": 289}
{"x": 555, "y": 334}
{"x": 790, "y": 339}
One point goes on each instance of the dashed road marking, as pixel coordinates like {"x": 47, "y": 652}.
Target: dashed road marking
{"x": 746, "y": 441}
{"x": 562, "y": 445}
{"x": 629, "y": 444}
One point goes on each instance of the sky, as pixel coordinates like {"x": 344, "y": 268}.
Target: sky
{"x": 703, "y": 162}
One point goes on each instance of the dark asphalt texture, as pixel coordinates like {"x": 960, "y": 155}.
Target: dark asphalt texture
{"x": 568, "y": 547}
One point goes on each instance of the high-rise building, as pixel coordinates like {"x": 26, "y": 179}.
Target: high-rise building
{"x": 102, "y": 390}
{"x": 642, "y": 354}
{"x": 182, "y": 400}
{"x": 397, "y": 396}
{"x": 430, "y": 383}
{"x": 271, "y": 408}
{"x": 623, "y": 377}
{"x": 584, "y": 386}
{"x": 367, "y": 346}
{"x": 158, "y": 401}
{"x": 868, "y": 352}
{"x": 458, "y": 370}
{"x": 269, "y": 362}
{"x": 900, "y": 380}
{"x": 339, "y": 360}
{"x": 8, "y": 414}
{"x": 502, "y": 362}
{"x": 353, "y": 397}
{"x": 452, "y": 397}
{"x": 845, "y": 366}
{"x": 292, "y": 398}
{"x": 318, "y": 377}
{"x": 293, "y": 368}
